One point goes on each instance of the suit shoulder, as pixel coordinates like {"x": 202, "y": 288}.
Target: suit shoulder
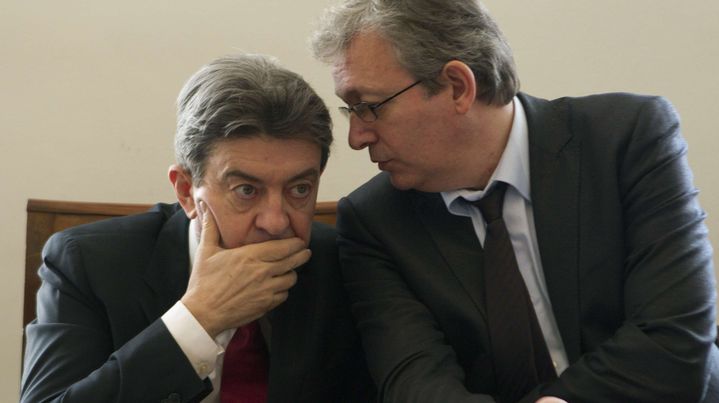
{"x": 147, "y": 222}
{"x": 118, "y": 236}
{"x": 380, "y": 208}
{"x": 610, "y": 121}
{"x": 376, "y": 194}
{"x": 630, "y": 118}
{"x": 618, "y": 104}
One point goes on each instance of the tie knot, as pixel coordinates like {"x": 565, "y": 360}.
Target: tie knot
{"x": 491, "y": 204}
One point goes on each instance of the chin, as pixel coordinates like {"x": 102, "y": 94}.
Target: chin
{"x": 414, "y": 183}
{"x": 403, "y": 183}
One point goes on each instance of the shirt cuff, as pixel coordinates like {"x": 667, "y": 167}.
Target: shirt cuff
{"x": 199, "y": 348}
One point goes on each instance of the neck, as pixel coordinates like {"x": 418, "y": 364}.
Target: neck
{"x": 490, "y": 129}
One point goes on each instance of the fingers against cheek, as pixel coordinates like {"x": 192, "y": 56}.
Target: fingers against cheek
{"x": 210, "y": 232}
{"x": 205, "y": 214}
{"x": 201, "y": 210}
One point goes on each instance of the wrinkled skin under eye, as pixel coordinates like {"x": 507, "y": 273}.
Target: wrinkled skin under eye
{"x": 301, "y": 190}
{"x": 245, "y": 191}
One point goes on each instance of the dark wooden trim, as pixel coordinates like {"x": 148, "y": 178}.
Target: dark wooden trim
{"x": 326, "y": 208}
{"x": 120, "y": 209}
{"x": 84, "y": 208}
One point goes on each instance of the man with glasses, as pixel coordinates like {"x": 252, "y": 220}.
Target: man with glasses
{"x": 513, "y": 248}
{"x": 368, "y": 111}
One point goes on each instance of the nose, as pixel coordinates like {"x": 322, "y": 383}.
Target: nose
{"x": 361, "y": 134}
{"x": 273, "y": 217}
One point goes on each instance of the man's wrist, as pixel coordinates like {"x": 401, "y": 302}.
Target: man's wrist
{"x": 195, "y": 342}
{"x": 201, "y": 316}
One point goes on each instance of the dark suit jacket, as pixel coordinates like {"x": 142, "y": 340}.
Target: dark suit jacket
{"x": 98, "y": 336}
{"x": 625, "y": 253}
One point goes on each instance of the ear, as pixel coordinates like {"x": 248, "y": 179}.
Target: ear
{"x": 461, "y": 80}
{"x": 182, "y": 183}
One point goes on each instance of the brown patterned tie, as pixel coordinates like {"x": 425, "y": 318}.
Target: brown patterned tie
{"x": 520, "y": 355}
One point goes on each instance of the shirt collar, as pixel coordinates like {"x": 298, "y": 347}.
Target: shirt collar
{"x": 513, "y": 166}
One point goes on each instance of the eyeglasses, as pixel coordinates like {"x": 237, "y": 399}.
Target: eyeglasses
{"x": 366, "y": 111}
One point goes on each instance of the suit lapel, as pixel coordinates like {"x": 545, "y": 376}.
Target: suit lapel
{"x": 289, "y": 347}
{"x": 554, "y": 170}
{"x": 168, "y": 272}
{"x": 455, "y": 239}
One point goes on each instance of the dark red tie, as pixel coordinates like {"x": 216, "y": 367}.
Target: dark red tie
{"x": 520, "y": 355}
{"x": 245, "y": 367}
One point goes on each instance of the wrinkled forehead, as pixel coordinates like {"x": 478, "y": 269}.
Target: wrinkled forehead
{"x": 263, "y": 159}
{"x": 368, "y": 66}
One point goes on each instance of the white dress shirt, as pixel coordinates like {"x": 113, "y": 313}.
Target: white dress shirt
{"x": 204, "y": 353}
{"x": 513, "y": 169}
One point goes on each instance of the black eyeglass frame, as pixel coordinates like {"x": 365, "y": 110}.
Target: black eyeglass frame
{"x": 360, "y": 108}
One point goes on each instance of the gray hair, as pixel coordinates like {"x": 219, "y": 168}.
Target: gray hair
{"x": 246, "y": 96}
{"x": 425, "y": 35}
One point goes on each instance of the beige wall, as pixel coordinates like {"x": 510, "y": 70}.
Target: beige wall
{"x": 87, "y": 93}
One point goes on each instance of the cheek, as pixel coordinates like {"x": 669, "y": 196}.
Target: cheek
{"x": 420, "y": 145}
{"x": 234, "y": 231}
{"x": 404, "y": 138}
{"x": 232, "y": 227}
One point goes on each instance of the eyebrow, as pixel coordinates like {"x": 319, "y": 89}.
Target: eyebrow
{"x": 312, "y": 173}
{"x": 344, "y": 96}
{"x": 359, "y": 93}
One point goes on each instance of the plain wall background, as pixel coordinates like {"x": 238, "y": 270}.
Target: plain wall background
{"x": 87, "y": 93}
